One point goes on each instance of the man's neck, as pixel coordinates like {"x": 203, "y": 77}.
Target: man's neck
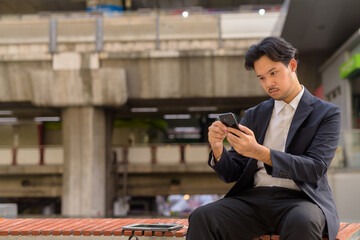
{"x": 295, "y": 92}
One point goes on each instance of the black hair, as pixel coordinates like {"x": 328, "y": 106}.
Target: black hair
{"x": 275, "y": 48}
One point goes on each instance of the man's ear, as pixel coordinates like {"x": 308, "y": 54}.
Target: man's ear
{"x": 293, "y": 65}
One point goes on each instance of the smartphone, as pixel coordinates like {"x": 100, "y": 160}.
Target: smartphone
{"x": 229, "y": 120}
{"x": 160, "y": 227}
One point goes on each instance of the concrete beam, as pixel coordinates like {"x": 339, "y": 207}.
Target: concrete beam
{"x": 71, "y": 79}
{"x": 187, "y": 76}
{"x": 74, "y": 79}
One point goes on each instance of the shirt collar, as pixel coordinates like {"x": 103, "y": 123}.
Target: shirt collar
{"x": 279, "y": 105}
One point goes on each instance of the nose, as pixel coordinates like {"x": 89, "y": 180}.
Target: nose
{"x": 270, "y": 82}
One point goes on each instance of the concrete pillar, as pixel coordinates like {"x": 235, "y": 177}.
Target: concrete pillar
{"x": 84, "y": 162}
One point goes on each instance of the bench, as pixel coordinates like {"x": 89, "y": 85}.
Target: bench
{"x": 111, "y": 228}
{"x": 93, "y": 228}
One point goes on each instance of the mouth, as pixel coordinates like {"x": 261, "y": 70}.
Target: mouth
{"x": 273, "y": 90}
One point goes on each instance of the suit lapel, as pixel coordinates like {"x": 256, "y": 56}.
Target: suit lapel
{"x": 302, "y": 112}
{"x": 264, "y": 119}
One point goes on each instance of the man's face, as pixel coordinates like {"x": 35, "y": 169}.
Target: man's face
{"x": 279, "y": 81}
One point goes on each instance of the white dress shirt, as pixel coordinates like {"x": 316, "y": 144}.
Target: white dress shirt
{"x": 275, "y": 138}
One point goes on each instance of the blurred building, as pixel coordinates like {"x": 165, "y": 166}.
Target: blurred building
{"x": 105, "y": 105}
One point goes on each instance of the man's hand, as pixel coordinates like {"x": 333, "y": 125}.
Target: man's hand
{"x": 245, "y": 144}
{"x": 216, "y": 135}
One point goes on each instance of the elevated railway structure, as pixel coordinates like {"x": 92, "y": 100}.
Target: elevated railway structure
{"x": 88, "y": 70}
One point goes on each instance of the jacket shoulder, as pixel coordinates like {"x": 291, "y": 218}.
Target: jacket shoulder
{"x": 263, "y": 105}
{"x": 325, "y": 105}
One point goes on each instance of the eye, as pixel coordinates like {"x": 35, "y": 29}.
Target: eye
{"x": 272, "y": 73}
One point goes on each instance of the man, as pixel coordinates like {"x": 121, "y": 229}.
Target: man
{"x": 279, "y": 160}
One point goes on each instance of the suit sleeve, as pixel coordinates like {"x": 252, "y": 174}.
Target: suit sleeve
{"x": 312, "y": 165}
{"x": 231, "y": 164}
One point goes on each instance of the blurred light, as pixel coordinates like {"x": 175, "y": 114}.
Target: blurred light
{"x": 6, "y": 112}
{"x": 47, "y": 119}
{"x": 186, "y": 197}
{"x": 185, "y": 129}
{"x": 144, "y": 109}
{"x": 262, "y": 11}
{"x": 202, "y": 109}
{"x": 177, "y": 116}
{"x": 213, "y": 115}
{"x": 192, "y": 136}
{"x": 8, "y": 120}
{"x": 185, "y": 14}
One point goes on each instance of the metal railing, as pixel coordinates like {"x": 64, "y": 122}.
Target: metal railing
{"x": 167, "y": 154}
{"x": 31, "y": 155}
{"x": 346, "y": 156}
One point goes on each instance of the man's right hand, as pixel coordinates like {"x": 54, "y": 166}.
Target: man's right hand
{"x": 216, "y": 135}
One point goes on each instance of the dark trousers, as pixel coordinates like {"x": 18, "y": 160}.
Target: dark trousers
{"x": 258, "y": 211}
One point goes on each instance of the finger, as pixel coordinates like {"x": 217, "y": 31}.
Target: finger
{"x": 233, "y": 142}
{"x": 217, "y": 134}
{"x": 232, "y": 138}
{"x": 216, "y": 137}
{"x": 217, "y": 129}
{"x": 246, "y": 130}
{"x": 235, "y": 131}
{"x": 219, "y": 125}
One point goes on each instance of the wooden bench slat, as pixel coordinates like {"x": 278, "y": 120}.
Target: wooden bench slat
{"x": 47, "y": 229}
{"x": 98, "y": 225}
{"x": 79, "y": 227}
{"x": 31, "y": 230}
{"x": 351, "y": 230}
{"x": 118, "y": 223}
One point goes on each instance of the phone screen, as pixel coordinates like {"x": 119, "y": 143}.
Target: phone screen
{"x": 229, "y": 120}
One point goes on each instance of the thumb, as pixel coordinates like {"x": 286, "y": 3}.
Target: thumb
{"x": 246, "y": 130}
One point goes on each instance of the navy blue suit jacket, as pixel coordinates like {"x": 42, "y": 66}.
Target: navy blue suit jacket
{"x": 310, "y": 147}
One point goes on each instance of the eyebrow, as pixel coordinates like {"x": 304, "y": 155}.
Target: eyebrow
{"x": 272, "y": 69}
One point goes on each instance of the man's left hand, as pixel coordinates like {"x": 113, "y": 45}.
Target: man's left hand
{"x": 245, "y": 144}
